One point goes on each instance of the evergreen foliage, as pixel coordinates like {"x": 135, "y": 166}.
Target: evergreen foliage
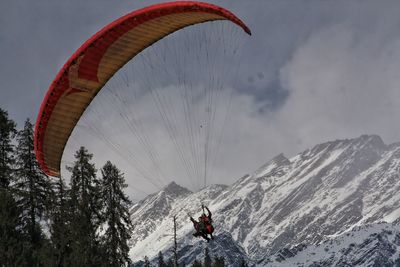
{"x": 219, "y": 262}
{"x": 86, "y": 207}
{"x": 11, "y": 238}
{"x": 60, "y": 226}
{"x": 207, "y": 258}
{"x": 75, "y": 216}
{"x": 11, "y": 241}
{"x": 33, "y": 189}
{"x": 161, "y": 262}
{"x": 146, "y": 262}
{"x": 196, "y": 263}
{"x": 170, "y": 262}
{"x": 7, "y": 133}
{"x": 115, "y": 216}
{"x": 243, "y": 263}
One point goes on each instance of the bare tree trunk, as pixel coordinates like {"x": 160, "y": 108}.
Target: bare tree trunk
{"x": 175, "y": 245}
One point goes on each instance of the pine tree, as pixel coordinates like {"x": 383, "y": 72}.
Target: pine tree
{"x": 7, "y": 133}
{"x": 397, "y": 262}
{"x": 161, "y": 262}
{"x": 11, "y": 238}
{"x": 60, "y": 226}
{"x": 33, "y": 189}
{"x": 11, "y": 241}
{"x": 86, "y": 206}
{"x": 243, "y": 263}
{"x": 219, "y": 262}
{"x": 146, "y": 261}
{"x": 207, "y": 258}
{"x": 170, "y": 262}
{"x": 196, "y": 263}
{"x": 116, "y": 216}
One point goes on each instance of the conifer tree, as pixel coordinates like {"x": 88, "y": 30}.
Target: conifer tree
{"x": 219, "y": 262}
{"x": 116, "y": 217}
{"x": 85, "y": 206}
{"x": 243, "y": 263}
{"x": 33, "y": 190}
{"x": 170, "y": 262}
{"x": 196, "y": 263}
{"x": 146, "y": 261}
{"x": 60, "y": 226}
{"x": 161, "y": 262}
{"x": 207, "y": 258}
{"x": 11, "y": 239}
{"x": 10, "y": 214}
{"x": 7, "y": 133}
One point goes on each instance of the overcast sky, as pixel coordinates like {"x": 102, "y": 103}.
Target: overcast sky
{"x": 313, "y": 71}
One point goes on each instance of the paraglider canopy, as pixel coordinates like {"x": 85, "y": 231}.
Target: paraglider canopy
{"x": 98, "y": 59}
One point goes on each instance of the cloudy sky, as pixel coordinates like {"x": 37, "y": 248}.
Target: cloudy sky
{"x": 312, "y": 71}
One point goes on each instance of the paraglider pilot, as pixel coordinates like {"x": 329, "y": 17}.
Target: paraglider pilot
{"x": 204, "y": 226}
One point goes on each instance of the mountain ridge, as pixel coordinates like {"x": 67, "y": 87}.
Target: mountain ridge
{"x": 368, "y": 245}
{"x": 320, "y": 192}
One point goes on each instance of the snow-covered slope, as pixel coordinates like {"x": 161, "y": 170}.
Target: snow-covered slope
{"x": 321, "y": 192}
{"x": 372, "y": 245}
{"x": 222, "y": 246}
{"x": 149, "y": 213}
{"x": 153, "y": 220}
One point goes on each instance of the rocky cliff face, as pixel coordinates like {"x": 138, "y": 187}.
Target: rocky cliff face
{"x": 371, "y": 245}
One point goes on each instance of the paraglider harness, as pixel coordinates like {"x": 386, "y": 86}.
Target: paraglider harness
{"x": 204, "y": 226}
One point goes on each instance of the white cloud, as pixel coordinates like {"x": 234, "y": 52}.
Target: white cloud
{"x": 341, "y": 76}
{"x": 245, "y": 144}
{"x": 342, "y": 83}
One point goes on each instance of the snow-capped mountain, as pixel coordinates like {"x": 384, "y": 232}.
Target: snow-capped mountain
{"x": 153, "y": 223}
{"x": 319, "y": 193}
{"x": 371, "y": 245}
{"x": 153, "y": 210}
{"x": 223, "y": 246}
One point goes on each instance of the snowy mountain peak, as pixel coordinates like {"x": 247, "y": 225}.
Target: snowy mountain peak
{"x": 319, "y": 193}
{"x": 174, "y": 190}
{"x": 373, "y": 138}
{"x": 280, "y": 159}
{"x": 374, "y": 142}
{"x": 278, "y": 162}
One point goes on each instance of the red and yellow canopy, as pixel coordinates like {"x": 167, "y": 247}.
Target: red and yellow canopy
{"x": 98, "y": 59}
